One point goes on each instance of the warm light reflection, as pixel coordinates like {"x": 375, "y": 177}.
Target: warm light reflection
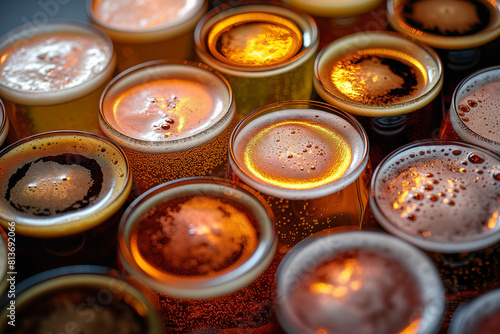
{"x": 254, "y": 40}
{"x": 492, "y": 222}
{"x": 341, "y": 283}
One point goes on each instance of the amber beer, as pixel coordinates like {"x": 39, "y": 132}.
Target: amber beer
{"x": 52, "y": 76}
{"x": 265, "y": 51}
{"x": 474, "y": 109}
{"x": 145, "y": 31}
{"x": 388, "y": 82}
{"x": 358, "y": 282}
{"x": 63, "y": 191}
{"x": 207, "y": 247}
{"x": 81, "y": 299}
{"x": 442, "y": 196}
{"x": 173, "y": 120}
{"x": 309, "y": 161}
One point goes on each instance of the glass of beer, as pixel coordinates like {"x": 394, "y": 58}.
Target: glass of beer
{"x": 474, "y": 115}
{"x": 443, "y": 197}
{"x": 64, "y": 192}
{"x": 4, "y": 124}
{"x": 81, "y": 299}
{"x": 207, "y": 247}
{"x": 145, "y": 31}
{"x": 389, "y": 82}
{"x": 266, "y": 51}
{"x": 309, "y": 161}
{"x": 358, "y": 282}
{"x": 172, "y": 119}
{"x": 481, "y": 315}
{"x": 52, "y": 76}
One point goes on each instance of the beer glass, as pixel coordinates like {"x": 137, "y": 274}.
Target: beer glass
{"x": 80, "y": 299}
{"x": 390, "y": 83}
{"x": 145, "y": 31}
{"x": 266, "y": 51}
{"x": 172, "y": 119}
{"x": 309, "y": 161}
{"x": 339, "y": 18}
{"x": 474, "y": 109}
{"x": 52, "y": 75}
{"x": 358, "y": 282}
{"x": 481, "y": 315}
{"x": 4, "y": 125}
{"x": 443, "y": 197}
{"x": 207, "y": 247}
{"x": 63, "y": 191}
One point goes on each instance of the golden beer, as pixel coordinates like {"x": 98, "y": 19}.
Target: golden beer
{"x": 52, "y": 76}
{"x": 173, "y": 120}
{"x": 265, "y": 51}
{"x": 86, "y": 299}
{"x": 358, "y": 282}
{"x": 145, "y": 31}
{"x": 207, "y": 247}
{"x": 309, "y": 161}
{"x": 61, "y": 191}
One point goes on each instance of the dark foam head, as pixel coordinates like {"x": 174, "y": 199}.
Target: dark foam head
{"x": 61, "y": 183}
{"x": 196, "y": 239}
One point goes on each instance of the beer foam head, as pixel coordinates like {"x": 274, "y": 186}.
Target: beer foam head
{"x": 481, "y": 315}
{"x": 446, "y": 24}
{"x": 54, "y": 63}
{"x": 166, "y": 107}
{"x": 441, "y": 196}
{"x": 338, "y": 282}
{"x": 377, "y": 74}
{"x": 137, "y": 21}
{"x": 93, "y": 303}
{"x": 61, "y": 183}
{"x": 474, "y": 112}
{"x": 190, "y": 239}
{"x": 298, "y": 153}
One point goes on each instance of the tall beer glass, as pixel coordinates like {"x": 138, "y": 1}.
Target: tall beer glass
{"x": 52, "y": 76}
{"x": 145, "y": 31}
{"x": 474, "y": 108}
{"x": 172, "y": 119}
{"x": 266, "y": 51}
{"x": 390, "y": 83}
{"x": 63, "y": 192}
{"x": 207, "y": 247}
{"x": 80, "y": 299}
{"x": 310, "y": 162}
{"x": 443, "y": 197}
{"x": 358, "y": 282}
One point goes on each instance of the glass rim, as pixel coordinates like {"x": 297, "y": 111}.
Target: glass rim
{"x": 306, "y": 24}
{"x": 322, "y": 246}
{"x": 67, "y": 94}
{"x": 361, "y": 109}
{"x": 160, "y": 146}
{"x": 476, "y": 138}
{"x": 467, "y": 316}
{"x": 334, "y": 9}
{"x": 154, "y": 34}
{"x": 438, "y": 41}
{"x": 229, "y": 280}
{"x": 120, "y": 194}
{"x": 94, "y": 276}
{"x": 4, "y": 124}
{"x": 428, "y": 245}
{"x": 342, "y": 182}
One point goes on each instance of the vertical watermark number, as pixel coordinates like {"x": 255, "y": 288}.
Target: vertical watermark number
{"x": 11, "y": 273}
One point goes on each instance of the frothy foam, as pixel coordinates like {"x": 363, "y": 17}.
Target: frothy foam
{"x": 141, "y": 15}
{"x": 53, "y": 180}
{"x": 166, "y": 103}
{"x": 298, "y": 149}
{"x": 53, "y": 61}
{"x": 438, "y": 195}
{"x": 477, "y": 102}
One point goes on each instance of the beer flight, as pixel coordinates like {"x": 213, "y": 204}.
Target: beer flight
{"x": 252, "y": 167}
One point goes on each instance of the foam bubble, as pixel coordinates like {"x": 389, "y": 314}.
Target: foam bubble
{"x": 441, "y": 193}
